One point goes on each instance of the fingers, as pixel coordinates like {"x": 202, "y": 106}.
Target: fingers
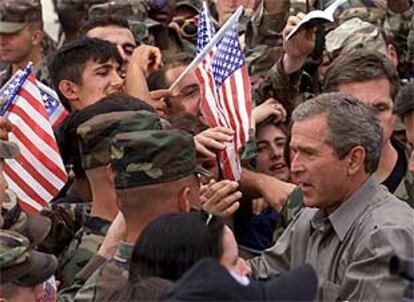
{"x": 221, "y": 198}
{"x": 212, "y": 140}
{"x": 5, "y": 128}
{"x": 200, "y": 148}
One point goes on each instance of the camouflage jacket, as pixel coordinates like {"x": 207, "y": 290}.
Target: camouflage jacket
{"x": 67, "y": 219}
{"x": 82, "y": 248}
{"x": 107, "y": 283}
{"x": 405, "y": 190}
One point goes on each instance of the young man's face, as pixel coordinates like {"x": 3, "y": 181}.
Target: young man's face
{"x": 315, "y": 165}
{"x": 98, "y": 80}
{"x": 16, "y": 47}
{"x": 408, "y": 120}
{"x": 187, "y": 98}
{"x": 121, "y": 37}
{"x": 271, "y": 144}
{"x": 377, "y": 94}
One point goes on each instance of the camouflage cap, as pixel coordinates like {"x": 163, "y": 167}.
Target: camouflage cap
{"x": 20, "y": 264}
{"x": 33, "y": 226}
{"x": 354, "y": 34}
{"x": 150, "y": 157}
{"x": 133, "y": 9}
{"x": 95, "y": 135}
{"x": 15, "y": 14}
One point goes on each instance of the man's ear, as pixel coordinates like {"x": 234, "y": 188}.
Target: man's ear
{"x": 392, "y": 54}
{"x": 355, "y": 160}
{"x": 37, "y": 37}
{"x": 69, "y": 90}
{"x": 184, "y": 204}
{"x": 110, "y": 174}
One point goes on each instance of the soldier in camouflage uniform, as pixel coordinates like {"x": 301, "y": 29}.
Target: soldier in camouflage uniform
{"x": 148, "y": 21}
{"x": 22, "y": 269}
{"x": 21, "y": 34}
{"x": 154, "y": 170}
{"x": 94, "y": 143}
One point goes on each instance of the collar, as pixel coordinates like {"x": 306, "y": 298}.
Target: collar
{"x": 123, "y": 252}
{"x": 343, "y": 217}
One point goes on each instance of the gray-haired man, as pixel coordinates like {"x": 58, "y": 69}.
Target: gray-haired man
{"x": 349, "y": 231}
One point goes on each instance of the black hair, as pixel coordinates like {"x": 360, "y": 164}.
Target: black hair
{"x": 171, "y": 244}
{"x": 69, "y": 62}
{"x": 66, "y": 134}
{"x": 103, "y": 21}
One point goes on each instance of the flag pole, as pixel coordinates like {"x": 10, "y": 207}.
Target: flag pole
{"x": 217, "y": 37}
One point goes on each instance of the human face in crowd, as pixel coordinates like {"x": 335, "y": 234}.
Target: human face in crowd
{"x": 120, "y": 36}
{"x": 230, "y": 258}
{"x": 98, "y": 80}
{"x": 271, "y": 144}
{"x": 17, "y": 47}
{"x": 376, "y": 93}
{"x": 315, "y": 165}
{"x": 187, "y": 96}
{"x": 408, "y": 120}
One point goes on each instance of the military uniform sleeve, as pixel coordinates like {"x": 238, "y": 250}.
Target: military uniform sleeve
{"x": 368, "y": 277}
{"x": 281, "y": 86}
{"x": 266, "y": 28}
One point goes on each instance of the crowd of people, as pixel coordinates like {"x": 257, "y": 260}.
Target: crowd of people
{"x": 326, "y": 194}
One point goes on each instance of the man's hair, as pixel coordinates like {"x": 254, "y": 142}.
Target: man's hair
{"x": 69, "y": 62}
{"x": 157, "y": 79}
{"x": 103, "y": 21}
{"x": 361, "y": 65}
{"x": 350, "y": 124}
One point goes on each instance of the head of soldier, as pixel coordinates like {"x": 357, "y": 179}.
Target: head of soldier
{"x": 356, "y": 34}
{"x": 335, "y": 146}
{"x": 155, "y": 173}
{"x": 404, "y": 107}
{"x": 95, "y": 137}
{"x": 21, "y": 31}
{"x": 186, "y": 96}
{"x": 370, "y": 77}
{"x": 22, "y": 269}
{"x": 115, "y": 30}
{"x": 85, "y": 71}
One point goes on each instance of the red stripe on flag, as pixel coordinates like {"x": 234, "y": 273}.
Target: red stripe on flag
{"x": 24, "y": 186}
{"x": 55, "y": 169}
{"x": 36, "y": 175}
{"x": 235, "y": 101}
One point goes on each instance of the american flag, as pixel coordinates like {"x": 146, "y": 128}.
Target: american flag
{"x": 37, "y": 174}
{"x": 225, "y": 89}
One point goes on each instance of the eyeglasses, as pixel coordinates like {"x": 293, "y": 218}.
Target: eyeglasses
{"x": 188, "y": 27}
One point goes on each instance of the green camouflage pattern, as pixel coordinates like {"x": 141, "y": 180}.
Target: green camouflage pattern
{"x": 353, "y": 34}
{"x": 82, "y": 248}
{"x": 14, "y": 249}
{"x": 40, "y": 71}
{"x": 35, "y": 227}
{"x": 290, "y": 210}
{"x": 66, "y": 220}
{"x": 261, "y": 58}
{"x": 194, "y": 4}
{"x": 96, "y": 134}
{"x": 154, "y": 156}
{"x": 107, "y": 282}
{"x": 20, "y": 11}
{"x": 405, "y": 190}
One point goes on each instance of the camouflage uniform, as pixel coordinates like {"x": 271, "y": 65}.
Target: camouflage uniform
{"x": 95, "y": 137}
{"x": 138, "y": 159}
{"x": 145, "y": 29}
{"x": 20, "y": 264}
{"x": 14, "y": 15}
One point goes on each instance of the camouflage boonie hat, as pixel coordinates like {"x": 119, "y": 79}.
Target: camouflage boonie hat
{"x": 149, "y": 157}
{"x": 96, "y": 134}
{"x": 20, "y": 264}
{"x": 354, "y": 34}
{"x": 33, "y": 226}
{"x": 15, "y": 14}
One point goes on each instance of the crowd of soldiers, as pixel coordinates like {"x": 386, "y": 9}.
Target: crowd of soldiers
{"x": 326, "y": 194}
